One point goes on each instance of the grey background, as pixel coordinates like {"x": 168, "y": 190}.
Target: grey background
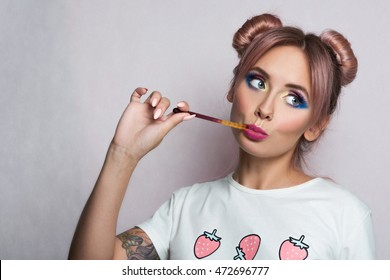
{"x": 67, "y": 69}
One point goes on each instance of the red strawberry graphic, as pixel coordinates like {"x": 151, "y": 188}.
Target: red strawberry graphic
{"x": 206, "y": 244}
{"x": 293, "y": 249}
{"x": 248, "y": 247}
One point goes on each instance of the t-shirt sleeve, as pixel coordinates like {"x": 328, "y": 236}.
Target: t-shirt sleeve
{"x": 158, "y": 228}
{"x": 359, "y": 243}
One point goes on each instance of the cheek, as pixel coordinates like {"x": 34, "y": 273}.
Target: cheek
{"x": 242, "y": 104}
{"x": 239, "y": 107}
{"x": 295, "y": 123}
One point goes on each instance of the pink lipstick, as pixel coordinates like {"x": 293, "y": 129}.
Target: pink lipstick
{"x": 255, "y": 133}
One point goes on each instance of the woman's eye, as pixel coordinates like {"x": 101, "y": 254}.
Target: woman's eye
{"x": 255, "y": 81}
{"x": 296, "y": 100}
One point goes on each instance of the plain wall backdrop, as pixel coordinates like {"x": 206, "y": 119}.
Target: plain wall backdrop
{"x": 67, "y": 69}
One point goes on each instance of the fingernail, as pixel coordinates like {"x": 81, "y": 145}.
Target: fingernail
{"x": 190, "y": 117}
{"x": 157, "y": 114}
{"x": 154, "y": 102}
{"x": 145, "y": 89}
{"x": 181, "y": 104}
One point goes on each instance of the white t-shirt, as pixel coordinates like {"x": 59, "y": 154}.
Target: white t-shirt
{"x": 225, "y": 220}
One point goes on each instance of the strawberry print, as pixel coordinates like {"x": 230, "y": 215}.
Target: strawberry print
{"x": 206, "y": 244}
{"x": 248, "y": 247}
{"x": 293, "y": 249}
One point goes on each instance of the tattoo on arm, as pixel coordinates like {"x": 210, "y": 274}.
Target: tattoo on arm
{"x": 138, "y": 245}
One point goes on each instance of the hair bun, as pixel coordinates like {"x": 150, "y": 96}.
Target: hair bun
{"x": 251, "y": 28}
{"x": 344, "y": 54}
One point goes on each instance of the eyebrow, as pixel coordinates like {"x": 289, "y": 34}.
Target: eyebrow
{"x": 293, "y": 86}
{"x": 261, "y": 71}
{"x": 298, "y": 87}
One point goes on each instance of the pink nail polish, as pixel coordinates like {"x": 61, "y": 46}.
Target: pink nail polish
{"x": 154, "y": 102}
{"x": 187, "y": 118}
{"x": 181, "y": 104}
{"x": 157, "y": 114}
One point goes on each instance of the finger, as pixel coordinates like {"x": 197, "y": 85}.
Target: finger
{"x": 137, "y": 94}
{"x": 161, "y": 107}
{"x": 172, "y": 120}
{"x": 183, "y": 106}
{"x": 154, "y": 98}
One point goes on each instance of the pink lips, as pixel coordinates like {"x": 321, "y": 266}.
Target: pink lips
{"x": 255, "y": 133}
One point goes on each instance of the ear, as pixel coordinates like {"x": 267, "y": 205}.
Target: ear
{"x": 314, "y": 132}
{"x": 230, "y": 96}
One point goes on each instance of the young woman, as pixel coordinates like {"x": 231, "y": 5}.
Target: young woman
{"x": 286, "y": 86}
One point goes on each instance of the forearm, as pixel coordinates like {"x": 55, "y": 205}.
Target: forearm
{"x": 95, "y": 233}
{"x": 141, "y": 128}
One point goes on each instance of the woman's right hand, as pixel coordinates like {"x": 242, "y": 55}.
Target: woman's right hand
{"x": 143, "y": 125}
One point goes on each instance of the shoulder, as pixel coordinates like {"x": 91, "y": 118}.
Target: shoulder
{"x": 198, "y": 193}
{"x": 202, "y": 189}
{"x": 353, "y": 222}
{"x": 340, "y": 197}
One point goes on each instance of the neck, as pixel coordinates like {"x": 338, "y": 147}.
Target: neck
{"x": 268, "y": 173}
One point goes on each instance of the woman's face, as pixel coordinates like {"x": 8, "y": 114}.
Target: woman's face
{"x": 274, "y": 95}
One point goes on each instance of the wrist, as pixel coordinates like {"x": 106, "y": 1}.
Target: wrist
{"x": 122, "y": 155}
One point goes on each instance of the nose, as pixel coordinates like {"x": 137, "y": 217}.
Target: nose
{"x": 264, "y": 115}
{"x": 265, "y": 110}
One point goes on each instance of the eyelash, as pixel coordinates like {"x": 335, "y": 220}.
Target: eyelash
{"x": 251, "y": 77}
{"x": 302, "y": 103}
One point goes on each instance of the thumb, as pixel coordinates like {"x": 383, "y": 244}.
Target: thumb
{"x": 173, "y": 120}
